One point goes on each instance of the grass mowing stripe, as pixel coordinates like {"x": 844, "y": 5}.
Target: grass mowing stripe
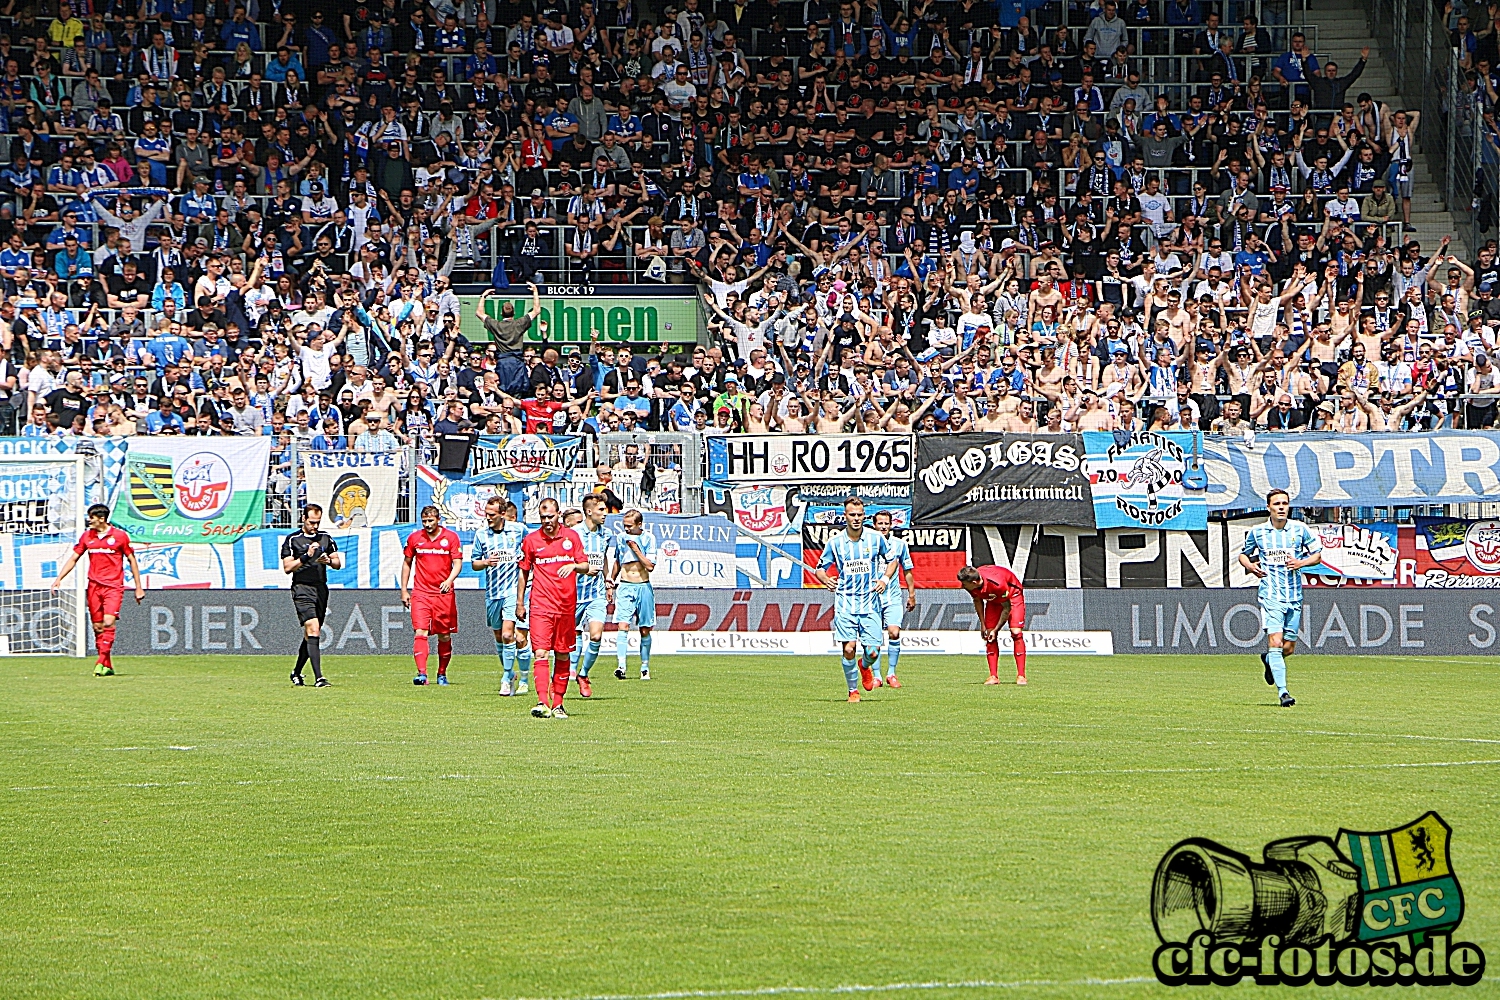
{"x": 730, "y": 825}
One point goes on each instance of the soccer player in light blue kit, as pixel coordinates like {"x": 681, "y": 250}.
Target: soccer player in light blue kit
{"x": 497, "y": 547}
{"x": 858, "y": 556}
{"x": 593, "y": 600}
{"x": 1277, "y": 552}
{"x": 634, "y": 554}
{"x": 894, "y": 603}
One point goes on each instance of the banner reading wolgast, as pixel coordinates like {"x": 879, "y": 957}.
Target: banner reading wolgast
{"x": 1001, "y": 479}
{"x": 193, "y": 489}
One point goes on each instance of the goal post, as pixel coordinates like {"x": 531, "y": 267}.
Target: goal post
{"x": 43, "y": 500}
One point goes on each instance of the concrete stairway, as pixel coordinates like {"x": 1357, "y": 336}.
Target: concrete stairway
{"x": 1343, "y": 29}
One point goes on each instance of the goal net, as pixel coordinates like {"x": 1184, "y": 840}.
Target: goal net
{"x": 42, "y": 512}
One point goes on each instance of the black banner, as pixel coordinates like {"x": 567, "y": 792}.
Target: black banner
{"x": 1001, "y": 479}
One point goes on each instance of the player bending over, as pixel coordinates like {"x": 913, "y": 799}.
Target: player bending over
{"x": 593, "y": 599}
{"x": 306, "y": 555}
{"x": 1277, "y": 552}
{"x": 634, "y": 551}
{"x": 497, "y": 547}
{"x": 857, "y": 556}
{"x": 108, "y": 548}
{"x": 550, "y": 556}
{"x": 894, "y": 604}
{"x": 998, "y": 596}
{"x": 438, "y": 556}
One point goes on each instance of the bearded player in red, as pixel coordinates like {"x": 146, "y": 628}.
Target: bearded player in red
{"x": 551, "y": 558}
{"x": 438, "y": 556}
{"x": 998, "y": 596}
{"x": 108, "y": 548}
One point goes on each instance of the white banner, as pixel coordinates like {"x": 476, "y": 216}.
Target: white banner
{"x": 356, "y": 489}
{"x": 801, "y": 458}
{"x": 913, "y": 643}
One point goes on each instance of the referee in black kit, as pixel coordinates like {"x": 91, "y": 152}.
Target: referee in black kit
{"x": 307, "y": 554}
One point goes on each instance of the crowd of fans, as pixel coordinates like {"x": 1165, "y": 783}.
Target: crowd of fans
{"x": 243, "y": 218}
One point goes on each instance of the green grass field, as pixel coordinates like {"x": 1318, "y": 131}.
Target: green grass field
{"x": 196, "y": 827}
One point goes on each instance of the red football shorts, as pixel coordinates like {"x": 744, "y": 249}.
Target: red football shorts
{"x": 104, "y": 601}
{"x": 434, "y": 613}
{"x": 992, "y": 613}
{"x": 553, "y": 631}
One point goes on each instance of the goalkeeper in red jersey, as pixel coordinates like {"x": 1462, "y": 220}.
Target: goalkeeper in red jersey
{"x": 998, "y": 596}
{"x": 108, "y": 549}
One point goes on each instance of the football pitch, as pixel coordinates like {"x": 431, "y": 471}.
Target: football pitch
{"x": 196, "y": 827}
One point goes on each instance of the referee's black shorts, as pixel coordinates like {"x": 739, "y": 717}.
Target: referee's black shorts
{"x": 310, "y": 602}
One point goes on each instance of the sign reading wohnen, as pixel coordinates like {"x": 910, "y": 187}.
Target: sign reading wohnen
{"x": 588, "y": 310}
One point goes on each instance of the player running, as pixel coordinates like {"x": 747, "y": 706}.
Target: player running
{"x": 550, "y": 556}
{"x": 306, "y": 555}
{"x": 497, "y": 547}
{"x": 894, "y": 604}
{"x": 1277, "y": 552}
{"x": 635, "y": 602}
{"x": 438, "y": 556}
{"x": 593, "y": 599}
{"x": 857, "y": 555}
{"x": 998, "y": 595}
{"x": 108, "y": 548}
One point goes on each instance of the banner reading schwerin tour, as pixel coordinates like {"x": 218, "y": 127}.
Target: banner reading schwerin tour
{"x": 193, "y": 489}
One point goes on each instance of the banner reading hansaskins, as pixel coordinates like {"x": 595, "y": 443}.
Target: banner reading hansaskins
{"x": 1001, "y": 479}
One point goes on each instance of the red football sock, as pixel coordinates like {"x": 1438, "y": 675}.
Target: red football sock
{"x": 1019, "y": 646}
{"x": 445, "y": 655}
{"x": 559, "y": 678}
{"x": 419, "y": 652}
{"x": 543, "y": 680}
{"x": 106, "y": 642}
{"x": 992, "y": 655}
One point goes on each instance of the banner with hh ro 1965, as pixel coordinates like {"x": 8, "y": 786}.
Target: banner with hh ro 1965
{"x": 1001, "y": 479}
{"x": 801, "y": 458}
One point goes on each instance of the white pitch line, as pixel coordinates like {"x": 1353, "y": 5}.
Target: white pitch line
{"x": 766, "y": 991}
{"x": 1277, "y": 767}
{"x": 1404, "y": 736}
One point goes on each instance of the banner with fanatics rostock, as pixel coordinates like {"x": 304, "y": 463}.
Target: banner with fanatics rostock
{"x": 356, "y": 489}
{"x": 1335, "y": 621}
{"x": 193, "y": 490}
{"x": 1001, "y": 479}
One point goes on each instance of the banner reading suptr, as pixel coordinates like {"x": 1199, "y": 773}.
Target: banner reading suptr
{"x": 193, "y": 489}
{"x": 356, "y": 489}
{"x": 522, "y": 458}
{"x": 1375, "y": 470}
{"x": 1001, "y": 479}
{"x": 1137, "y": 481}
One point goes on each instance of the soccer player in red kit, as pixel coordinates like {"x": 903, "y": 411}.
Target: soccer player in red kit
{"x": 108, "y": 549}
{"x": 998, "y": 596}
{"x": 551, "y": 557}
{"x": 438, "y": 556}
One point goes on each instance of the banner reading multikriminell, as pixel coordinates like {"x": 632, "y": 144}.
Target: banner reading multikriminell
{"x": 1001, "y": 479}
{"x": 1137, "y": 481}
{"x": 1374, "y": 470}
{"x": 193, "y": 489}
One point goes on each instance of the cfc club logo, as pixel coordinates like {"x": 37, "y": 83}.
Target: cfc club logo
{"x": 1375, "y": 909}
{"x": 204, "y": 484}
